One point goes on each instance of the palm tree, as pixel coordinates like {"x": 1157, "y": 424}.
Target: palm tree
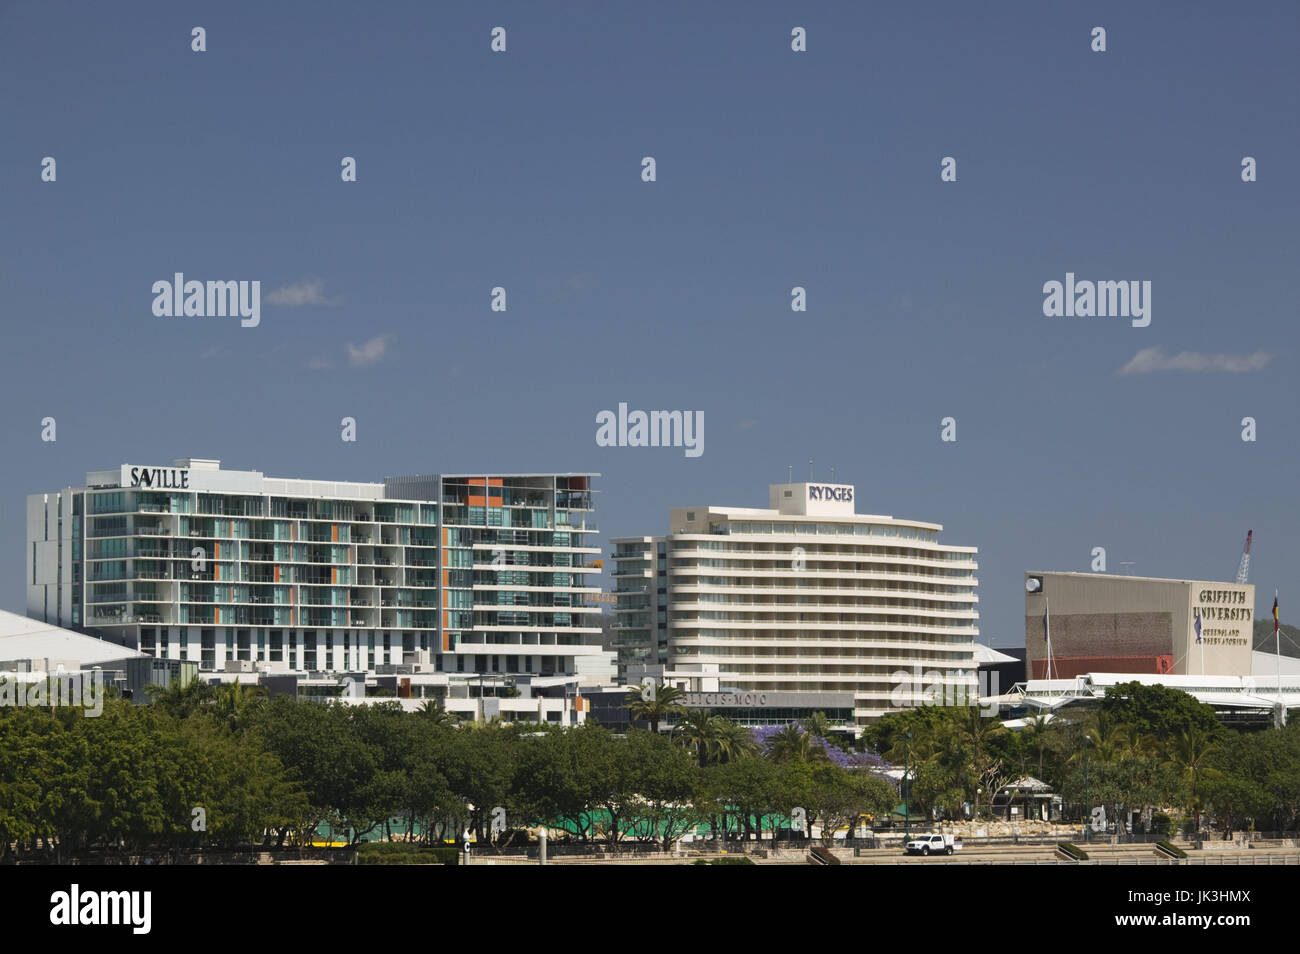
{"x": 1110, "y": 740}
{"x": 976, "y": 730}
{"x": 1189, "y": 753}
{"x": 818, "y": 726}
{"x": 792, "y": 744}
{"x": 234, "y": 700}
{"x": 182, "y": 700}
{"x": 1035, "y": 735}
{"x": 663, "y": 701}
{"x": 734, "y": 741}
{"x": 433, "y": 710}
{"x": 699, "y": 730}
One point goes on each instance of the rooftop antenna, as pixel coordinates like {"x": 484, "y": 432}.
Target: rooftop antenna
{"x": 832, "y": 475}
{"x": 789, "y": 479}
{"x": 810, "y": 460}
{"x": 1243, "y": 568}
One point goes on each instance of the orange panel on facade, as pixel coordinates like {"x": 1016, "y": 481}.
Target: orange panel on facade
{"x": 494, "y": 481}
{"x": 334, "y": 531}
{"x": 445, "y": 580}
{"x": 277, "y": 574}
{"x": 477, "y": 501}
{"x": 446, "y": 642}
{"x": 334, "y": 574}
{"x": 477, "y": 481}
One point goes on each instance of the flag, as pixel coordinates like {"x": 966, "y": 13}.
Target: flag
{"x": 1197, "y": 626}
{"x": 1275, "y": 614}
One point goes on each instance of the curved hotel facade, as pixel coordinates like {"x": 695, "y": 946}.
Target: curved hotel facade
{"x": 806, "y": 600}
{"x": 480, "y": 575}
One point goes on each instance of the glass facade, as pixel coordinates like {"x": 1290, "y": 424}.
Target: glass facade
{"x": 495, "y": 568}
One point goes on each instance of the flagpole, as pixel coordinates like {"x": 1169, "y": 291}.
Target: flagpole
{"x": 1277, "y": 655}
{"x": 1047, "y": 615}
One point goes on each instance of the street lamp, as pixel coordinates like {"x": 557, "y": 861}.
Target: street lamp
{"x": 1087, "y": 794}
{"x": 906, "y": 788}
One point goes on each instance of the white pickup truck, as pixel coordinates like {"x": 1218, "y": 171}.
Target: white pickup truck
{"x": 933, "y": 844}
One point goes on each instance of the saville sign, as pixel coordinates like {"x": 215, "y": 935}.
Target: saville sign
{"x": 156, "y": 478}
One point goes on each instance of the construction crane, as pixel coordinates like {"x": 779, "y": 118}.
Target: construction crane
{"x": 1243, "y": 569}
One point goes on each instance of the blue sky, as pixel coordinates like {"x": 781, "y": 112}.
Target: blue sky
{"x": 775, "y": 169}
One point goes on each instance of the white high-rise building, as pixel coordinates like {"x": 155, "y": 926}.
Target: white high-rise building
{"x": 805, "y": 596}
{"x": 482, "y": 576}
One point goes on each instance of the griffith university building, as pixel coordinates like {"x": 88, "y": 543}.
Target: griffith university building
{"x": 457, "y": 586}
{"x": 763, "y": 614}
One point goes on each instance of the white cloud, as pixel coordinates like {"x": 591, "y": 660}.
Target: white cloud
{"x": 1149, "y": 360}
{"x": 306, "y": 292}
{"x": 369, "y": 352}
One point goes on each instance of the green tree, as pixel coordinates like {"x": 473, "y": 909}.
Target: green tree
{"x": 482, "y": 771}
{"x": 1270, "y": 760}
{"x": 752, "y": 792}
{"x": 233, "y": 702}
{"x": 182, "y": 700}
{"x": 839, "y": 797}
{"x": 1110, "y": 738}
{"x": 734, "y": 741}
{"x": 1036, "y": 737}
{"x": 792, "y": 744}
{"x": 663, "y": 701}
{"x": 700, "y": 730}
{"x": 433, "y": 710}
{"x": 1190, "y": 752}
{"x": 1158, "y": 711}
{"x": 667, "y": 783}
